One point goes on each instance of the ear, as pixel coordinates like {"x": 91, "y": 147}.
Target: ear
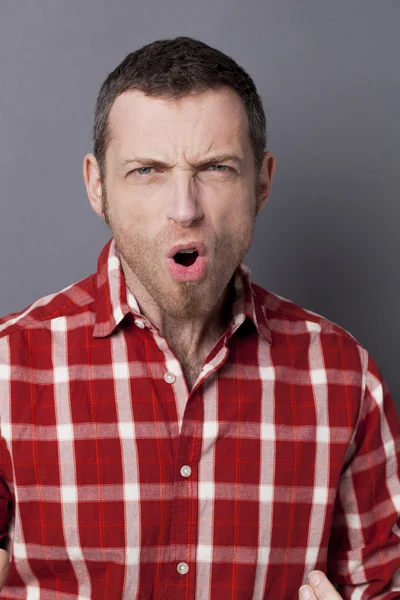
{"x": 266, "y": 177}
{"x": 91, "y": 176}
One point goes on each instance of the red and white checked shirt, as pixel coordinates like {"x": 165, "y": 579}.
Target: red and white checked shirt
{"x": 283, "y": 458}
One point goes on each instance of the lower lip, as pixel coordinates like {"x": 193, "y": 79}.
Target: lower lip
{"x": 195, "y": 272}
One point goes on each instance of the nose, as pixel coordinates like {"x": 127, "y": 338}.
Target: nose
{"x": 183, "y": 203}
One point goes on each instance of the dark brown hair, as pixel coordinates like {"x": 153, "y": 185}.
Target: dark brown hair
{"x": 173, "y": 69}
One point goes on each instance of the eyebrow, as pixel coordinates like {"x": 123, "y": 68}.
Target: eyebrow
{"x": 149, "y": 161}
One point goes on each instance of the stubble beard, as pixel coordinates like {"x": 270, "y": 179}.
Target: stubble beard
{"x": 193, "y": 299}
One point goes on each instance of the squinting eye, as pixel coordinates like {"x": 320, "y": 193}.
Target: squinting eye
{"x": 218, "y": 167}
{"x": 143, "y": 170}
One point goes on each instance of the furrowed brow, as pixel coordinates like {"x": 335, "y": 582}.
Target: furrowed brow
{"x": 220, "y": 158}
{"x": 142, "y": 161}
{"x": 148, "y": 161}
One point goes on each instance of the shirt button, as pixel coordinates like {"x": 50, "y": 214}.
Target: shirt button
{"x": 140, "y": 324}
{"x": 169, "y": 377}
{"x": 182, "y": 568}
{"x": 186, "y": 471}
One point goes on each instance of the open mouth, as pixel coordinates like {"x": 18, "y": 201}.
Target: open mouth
{"x": 187, "y": 262}
{"x": 186, "y": 258}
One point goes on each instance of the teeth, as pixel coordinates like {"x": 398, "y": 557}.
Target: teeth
{"x": 190, "y": 251}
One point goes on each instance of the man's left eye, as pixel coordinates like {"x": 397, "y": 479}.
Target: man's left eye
{"x": 218, "y": 167}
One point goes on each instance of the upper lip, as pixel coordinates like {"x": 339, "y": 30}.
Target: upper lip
{"x": 198, "y": 246}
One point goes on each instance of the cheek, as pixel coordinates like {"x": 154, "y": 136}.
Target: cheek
{"x": 236, "y": 212}
{"x": 130, "y": 210}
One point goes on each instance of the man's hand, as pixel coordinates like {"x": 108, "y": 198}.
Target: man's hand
{"x": 4, "y": 567}
{"x": 320, "y": 588}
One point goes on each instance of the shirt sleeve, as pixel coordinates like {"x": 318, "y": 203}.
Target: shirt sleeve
{"x": 6, "y": 504}
{"x": 364, "y": 548}
{"x": 6, "y": 498}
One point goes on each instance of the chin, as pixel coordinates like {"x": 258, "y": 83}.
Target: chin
{"x": 188, "y": 303}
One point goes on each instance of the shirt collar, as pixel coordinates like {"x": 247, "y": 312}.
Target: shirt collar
{"x": 113, "y": 304}
{"x": 247, "y": 304}
{"x": 111, "y": 301}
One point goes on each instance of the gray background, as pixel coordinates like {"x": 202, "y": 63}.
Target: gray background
{"x": 329, "y": 76}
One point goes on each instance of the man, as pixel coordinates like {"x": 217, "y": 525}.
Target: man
{"x": 168, "y": 428}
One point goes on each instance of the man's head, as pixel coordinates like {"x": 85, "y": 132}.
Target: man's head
{"x": 179, "y": 157}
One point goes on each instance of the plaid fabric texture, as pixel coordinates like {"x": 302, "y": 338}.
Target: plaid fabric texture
{"x": 283, "y": 458}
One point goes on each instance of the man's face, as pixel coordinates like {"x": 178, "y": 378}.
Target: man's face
{"x": 181, "y": 172}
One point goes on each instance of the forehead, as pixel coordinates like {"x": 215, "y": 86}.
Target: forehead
{"x": 214, "y": 120}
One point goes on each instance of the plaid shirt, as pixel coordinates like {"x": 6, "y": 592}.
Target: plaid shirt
{"x": 282, "y": 459}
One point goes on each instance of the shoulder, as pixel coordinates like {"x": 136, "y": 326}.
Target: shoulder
{"x": 69, "y": 302}
{"x": 288, "y": 320}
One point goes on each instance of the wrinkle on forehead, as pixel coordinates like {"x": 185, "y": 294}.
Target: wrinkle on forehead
{"x": 213, "y": 121}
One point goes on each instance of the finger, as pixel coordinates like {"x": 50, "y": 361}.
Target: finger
{"x": 4, "y": 567}
{"x": 322, "y": 587}
{"x": 307, "y": 593}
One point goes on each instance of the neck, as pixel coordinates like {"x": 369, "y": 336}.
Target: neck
{"x": 193, "y": 336}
